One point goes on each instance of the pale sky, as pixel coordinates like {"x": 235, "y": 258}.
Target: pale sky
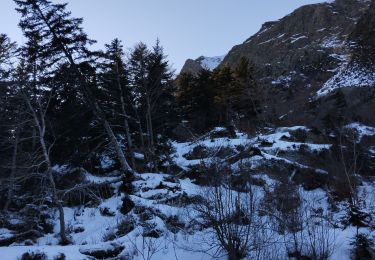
{"x": 186, "y": 28}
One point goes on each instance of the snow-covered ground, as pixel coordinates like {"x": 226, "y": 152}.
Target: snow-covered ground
{"x": 159, "y": 197}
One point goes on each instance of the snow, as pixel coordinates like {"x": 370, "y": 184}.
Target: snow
{"x": 332, "y": 42}
{"x": 106, "y": 162}
{"x": 353, "y": 75}
{"x": 5, "y": 233}
{"x": 211, "y": 63}
{"x": 361, "y": 130}
{"x": 15, "y": 252}
{"x": 340, "y": 57}
{"x": 268, "y": 41}
{"x": 152, "y": 190}
{"x": 99, "y": 179}
{"x": 296, "y": 38}
{"x": 284, "y": 79}
{"x": 139, "y": 156}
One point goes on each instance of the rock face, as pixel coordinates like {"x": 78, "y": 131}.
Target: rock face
{"x": 191, "y": 66}
{"x": 364, "y": 36}
{"x": 305, "y": 46}
{"x": 356, "y": 77}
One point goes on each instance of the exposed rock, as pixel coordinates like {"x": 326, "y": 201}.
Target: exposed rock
{"x": 191, "y": 66}
{"x": 364, "y": 37}
{"x": 309, "y": 40}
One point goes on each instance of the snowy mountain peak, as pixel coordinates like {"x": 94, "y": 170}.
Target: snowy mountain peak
{"x": 210, "y": 63}
{"x": 203, "y": 62}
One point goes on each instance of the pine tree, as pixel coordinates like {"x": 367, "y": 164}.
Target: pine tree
{"x": 62, "y": 39}
{"x": 151, "y": 81}
{"x": 249, "y": 94}
{"x": 114, "y": 79}
{"x": 203, "y": 97}
{"x": 226, "y": 92}
{"x": 138, "y": 63}
{"x": 163, "y": 113}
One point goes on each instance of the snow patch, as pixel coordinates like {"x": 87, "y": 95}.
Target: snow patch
{"x": 211, "y": 63}
{"x": 295, "y": 38}
{"x": 361, "y": 130}
{"x": 353, "y": 76}
{"x": 331, "y": 42}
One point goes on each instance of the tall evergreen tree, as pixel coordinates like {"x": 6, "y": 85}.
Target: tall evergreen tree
{"x": 114, "y": 81}
{"x": 62, "y": 39}
{"x": 151, "y": 83}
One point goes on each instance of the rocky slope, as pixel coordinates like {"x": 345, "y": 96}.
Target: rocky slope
{"x": 309, "y": 40}
{"x": 310, "y": 53}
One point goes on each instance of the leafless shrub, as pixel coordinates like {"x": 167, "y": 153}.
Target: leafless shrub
{"x": 306, "y": 228}
{"x": 231, "y": 218}
{"x": 147, "y": 246}
{"x": 123, "y": 227}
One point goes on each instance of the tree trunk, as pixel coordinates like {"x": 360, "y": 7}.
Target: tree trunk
{"x": 13, "y": 170}
{"x": 150, "y": 134}
{"x": 126, "y": 123}
{"x": 41, "y": 126}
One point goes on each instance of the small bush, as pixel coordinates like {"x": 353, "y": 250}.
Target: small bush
{"x": 127, "y": 205}
{"x": 125, "y": 226}
{"x": 198, "y": 152}
{"x": 34, "y": 256}
{"x": 150, "y": 230}
{"x": 265, "y": 143}
{"x": 109, "y": 236}
{"x": 107, "y": 212}
{"x": 60, "y": 256}
{"x": 111, "y": 251}
{"x": 363, "y": 247}
{"x": 299, "y": 135}
{"x": 174, "y": 224}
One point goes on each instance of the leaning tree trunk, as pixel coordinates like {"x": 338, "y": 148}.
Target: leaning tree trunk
{"x": 90, "y": 99}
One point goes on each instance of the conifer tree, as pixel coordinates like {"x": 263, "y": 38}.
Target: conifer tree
{"x": 226, "y": 92}
{"x": 62, "y": 39}
{"x": 115, "y": 82}
{"x": 249, "y": 95}
{"x": 8, "y": 50}
{"x": 151, "y": 81}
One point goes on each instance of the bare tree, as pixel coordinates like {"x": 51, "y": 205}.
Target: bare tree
{"x": 39, "y": 117}
{"x": 232, "y": 217}
{"x": 306, "y": 227}
{"x": 148, "y": 246}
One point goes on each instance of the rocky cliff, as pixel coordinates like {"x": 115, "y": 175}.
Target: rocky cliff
{"x": 308, "y": 45}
